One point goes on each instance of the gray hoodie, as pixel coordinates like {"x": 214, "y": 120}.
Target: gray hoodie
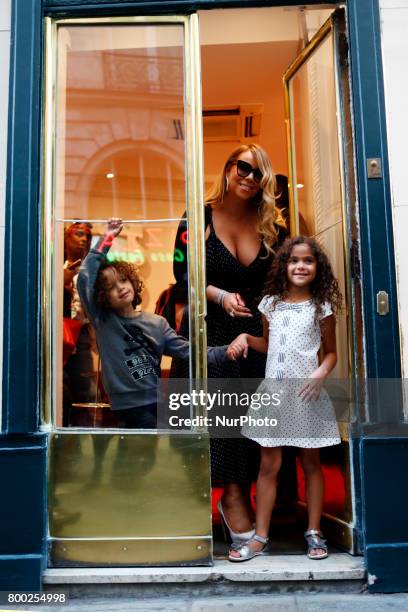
{"x": 130, "y": 348}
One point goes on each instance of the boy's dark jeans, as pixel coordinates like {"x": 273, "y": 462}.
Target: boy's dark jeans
{"x": 143, "y": 417}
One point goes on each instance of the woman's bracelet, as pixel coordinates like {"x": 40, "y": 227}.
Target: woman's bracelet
{"x": 221, "y": 297}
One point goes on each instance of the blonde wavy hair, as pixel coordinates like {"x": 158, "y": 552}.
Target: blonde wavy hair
{"x": 268, "y": 215}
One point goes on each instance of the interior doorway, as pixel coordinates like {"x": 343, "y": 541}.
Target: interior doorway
{"x": 249, "y": 95}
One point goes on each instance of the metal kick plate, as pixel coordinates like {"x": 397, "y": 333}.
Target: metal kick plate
{"x": 140, "y": 552}
{"x": 123, "y": 498}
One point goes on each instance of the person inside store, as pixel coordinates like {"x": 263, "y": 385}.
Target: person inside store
{"x": 243, "y": 228}
{"x": 79, "y": 377}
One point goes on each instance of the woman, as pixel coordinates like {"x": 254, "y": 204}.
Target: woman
{"x": 242, "y": 229}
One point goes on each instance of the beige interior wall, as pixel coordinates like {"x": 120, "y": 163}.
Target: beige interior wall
{"x": 238, "y": 74}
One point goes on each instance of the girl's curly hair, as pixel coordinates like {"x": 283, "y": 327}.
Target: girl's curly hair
{"x": 324, "y": 287}
{"x": 124, "y": 269}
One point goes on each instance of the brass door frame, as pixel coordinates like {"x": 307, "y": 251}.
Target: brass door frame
{"x": 76, "y": 456}
{"x": 341, "y": 531}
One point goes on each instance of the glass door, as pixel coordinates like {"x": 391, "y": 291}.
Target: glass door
{"x": 122, "y": 132}
{"x": 323, "y": 203}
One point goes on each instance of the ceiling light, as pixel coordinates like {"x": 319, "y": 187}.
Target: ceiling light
{"x": 110, "y": 175}
{"x": 300, "y": 185}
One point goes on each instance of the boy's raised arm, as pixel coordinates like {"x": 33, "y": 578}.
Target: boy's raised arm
{"x": 89, "y": 269}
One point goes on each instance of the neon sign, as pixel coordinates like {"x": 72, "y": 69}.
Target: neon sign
{"x": 138, "y": 257}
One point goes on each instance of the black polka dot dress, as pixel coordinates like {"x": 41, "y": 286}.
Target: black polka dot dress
{"x": 234, "y": 460}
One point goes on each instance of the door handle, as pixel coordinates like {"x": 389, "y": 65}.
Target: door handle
{"x": 383, "y": 307}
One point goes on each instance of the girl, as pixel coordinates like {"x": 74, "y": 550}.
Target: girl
{"x": 300, "y": 299}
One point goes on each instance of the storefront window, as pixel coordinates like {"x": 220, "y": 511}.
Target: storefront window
{"x": 119, "y": 152}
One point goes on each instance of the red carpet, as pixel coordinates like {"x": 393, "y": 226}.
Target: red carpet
{"x": 334, "y": 491}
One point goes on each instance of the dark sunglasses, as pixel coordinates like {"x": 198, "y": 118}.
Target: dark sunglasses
{"x": 244, "y": 169}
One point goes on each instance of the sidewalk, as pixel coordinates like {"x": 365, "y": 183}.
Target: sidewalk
{"x": 307, "y": 602}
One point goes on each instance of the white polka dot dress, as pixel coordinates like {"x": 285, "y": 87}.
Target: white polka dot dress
{"x": 294, "y": 343}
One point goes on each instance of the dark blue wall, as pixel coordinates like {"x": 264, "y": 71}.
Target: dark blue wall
{"x": 22, "y": 516}
{"x": 385, "y": 502}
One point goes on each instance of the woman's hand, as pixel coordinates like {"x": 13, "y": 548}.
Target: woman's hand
{"x": 68, "y": 279}
{"x": 70, "y": 269}
{"x": 114, "y": 226}
{"x": 234, "y": 305}
{"x": 312, "y": 389}
{"x": 238, "y": 348}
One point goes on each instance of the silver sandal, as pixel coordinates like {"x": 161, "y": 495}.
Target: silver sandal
{"x": 314, "y": 539}
{"x": 245, "y": 551}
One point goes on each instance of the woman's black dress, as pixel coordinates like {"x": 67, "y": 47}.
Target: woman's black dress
{"x": 233, "y": 460}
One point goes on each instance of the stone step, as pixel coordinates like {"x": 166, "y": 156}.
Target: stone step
{"x": 341, "y": 572}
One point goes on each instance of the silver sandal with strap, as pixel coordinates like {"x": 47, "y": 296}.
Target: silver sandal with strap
{"x": 245, "y": 552}
{"x": 314, "y": 539}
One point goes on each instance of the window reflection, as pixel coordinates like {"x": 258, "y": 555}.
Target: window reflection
{"x": 119, "y": 153}
{"x": 317, "y": 180}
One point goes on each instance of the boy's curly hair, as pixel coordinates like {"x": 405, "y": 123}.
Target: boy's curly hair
{"x": 124, "y": 269}
{"x": 324, "y": 287}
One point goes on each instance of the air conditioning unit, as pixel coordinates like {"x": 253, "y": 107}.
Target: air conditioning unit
{"x": 232, "y": 123}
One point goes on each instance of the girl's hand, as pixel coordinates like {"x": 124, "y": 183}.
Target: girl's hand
{"x": 234, "y": 305}
{"x": 311, "y": 390}
{"x": 238, "y": 348}
{"x": 114, "y": 226}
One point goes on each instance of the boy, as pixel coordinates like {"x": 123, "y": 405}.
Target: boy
{"x": 131, "y": 343}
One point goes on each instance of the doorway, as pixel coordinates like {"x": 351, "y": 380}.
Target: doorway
{"x": 134, "y": 150}
{"x": 279, "y": 77}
